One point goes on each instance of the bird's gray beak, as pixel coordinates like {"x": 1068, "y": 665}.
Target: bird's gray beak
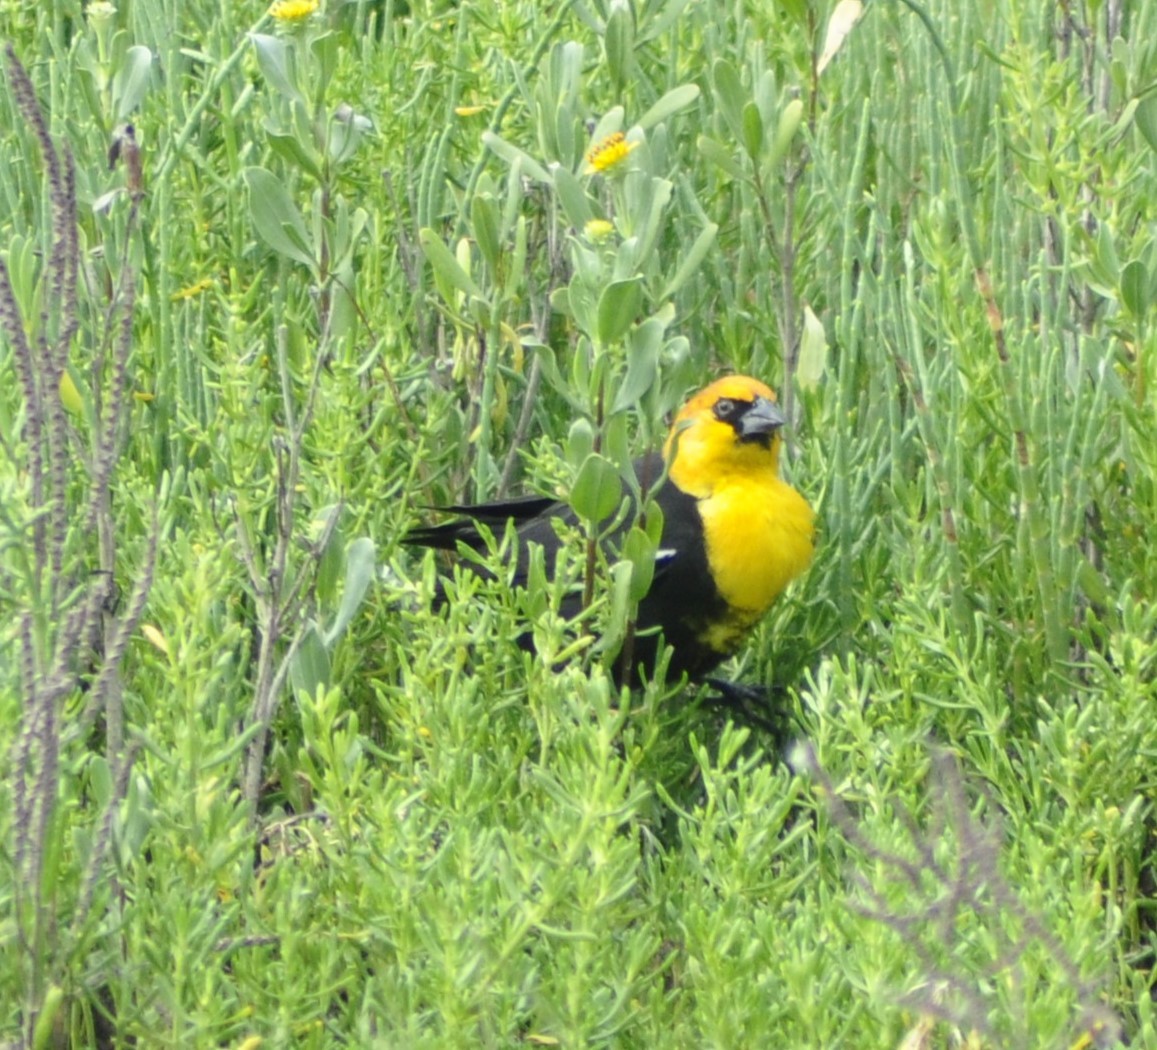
{"x": 760, "y": 421}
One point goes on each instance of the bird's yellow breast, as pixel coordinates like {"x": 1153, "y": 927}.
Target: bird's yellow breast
{"x": 760, "y": 535}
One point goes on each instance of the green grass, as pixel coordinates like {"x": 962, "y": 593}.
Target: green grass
{"x": 255, "y": 789}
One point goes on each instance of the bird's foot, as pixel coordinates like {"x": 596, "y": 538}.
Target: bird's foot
{"x": 751, "y": 704}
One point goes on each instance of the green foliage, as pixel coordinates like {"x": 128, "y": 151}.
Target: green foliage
{"x": 351, "y": 266}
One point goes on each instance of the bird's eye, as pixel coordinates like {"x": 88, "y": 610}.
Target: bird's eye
{"x": 724, "y": 408}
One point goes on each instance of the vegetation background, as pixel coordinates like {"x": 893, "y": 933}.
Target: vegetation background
{"x": 349, "y": 263}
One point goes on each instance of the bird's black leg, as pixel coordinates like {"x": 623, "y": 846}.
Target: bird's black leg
{"x": 752, "y": 704}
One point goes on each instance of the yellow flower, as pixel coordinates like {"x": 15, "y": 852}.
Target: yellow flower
{"x": 598, "y": 230}
{"x": 293, "y": 10}
{"x": 191, "y": 290}
{"x": 609, "y": 154}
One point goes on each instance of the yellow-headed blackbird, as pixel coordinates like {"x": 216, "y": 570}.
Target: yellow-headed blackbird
{"x": 734, "y": 533}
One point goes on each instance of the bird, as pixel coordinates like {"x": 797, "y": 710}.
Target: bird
{"x": 734, "y": 533}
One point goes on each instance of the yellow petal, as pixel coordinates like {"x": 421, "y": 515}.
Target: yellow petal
{"x": 155, "y": 638}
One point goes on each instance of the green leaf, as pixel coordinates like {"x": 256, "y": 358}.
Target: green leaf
{"x": 325, "y": 521}
{"x": 642, "y": 364}
{"x": 99, "y": 779}
{"x": 653, "y": 195}
{"x": 573, "y": 198}
{"x": 720, "y": 156}
{"x": 1092, "y": 583}
{"x": 359, "y": 574}
{"x": 276, "y": 218}
{"x": 580, "y": 442}
{"x": 1135, "y": 287}
{"x": 691, "y": 259}
{"x": 639, "y": 549}
{"x": 796, "y": 10}
{"x": 344, "y": 134}
{"x": 75, "y": 402}
{"x": 1146, "y": 119}
{"x": 273, "y": 58}
{"x": 617, "y": 445}
{"x": 813, "y": 351}
{"x": 131, "y": 81}
{"x": 619, "y": 609}
{"x": 789, "y": 122}
{"x": 1107, "y": 260}
{"x": 752, "y": 130}
{"x": 325, "y": 48}
{"x": 445, "y": 266}
{"x": 657, "y": 20}
{"x": 291, "y": 149}
{"x": 583, "y": 307}
{"x": 343, "y": 317}
{"x": 619, "y": 43}
{"x": 310, "y": 667}
{"x": 44, "y": 1033}
{"x": 675, "y": 100}
{"x": 23, "y": 266}
{"x": 619, "y": 305}
{"x": 729, "y": 95}
{"x": 597, "y": 489}
{"x": 550, "y": 372}
{"x": 510, "y": 153}
{"x": 484, "y": 224}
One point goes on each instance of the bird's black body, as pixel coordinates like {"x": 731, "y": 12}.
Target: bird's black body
{"x": 683, "y": 599}
{"x": 735, "y": 534}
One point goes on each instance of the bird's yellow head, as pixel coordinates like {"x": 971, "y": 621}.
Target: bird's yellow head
{"x": 731, "y": 427}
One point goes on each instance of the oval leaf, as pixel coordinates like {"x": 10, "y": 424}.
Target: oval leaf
{"x": 813, "y": 351}
{"x": 484, "y": 225}
{"x": 752, "y": 130}
{"x": 619, "y": 42}
{"x": 597, "y": 489}
{"x": 580, "y": 442}
{"x": 1145, "y": 117}
{"x": 132, "y": 80}
{"x": 675, "y": 100}
{"x": 276, "y": 218}
{"x": 310, "y": 666}
{"x": 692, "y": 259}
{"x": 572, "y": 197}
{"x": 639, "y": 550}
{"x": 273, "y": 58}
{"x": 618, "y": 307}
{"x": 720, "y": 156}
{"x": 789, "y": 122}
{"x": 359, "y": 574}
{"x": 510, "y": 153}
{"x": 729, "y": 95}
{"x": 445, "y": 265}
{"x": 642, "y": 365}
{"x": 1134, "y": 286}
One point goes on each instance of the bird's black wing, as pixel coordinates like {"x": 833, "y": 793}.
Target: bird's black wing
{"x": 494, "y": 516}
{"x": 533, "y": 518}
{"x": 683, "y": 597}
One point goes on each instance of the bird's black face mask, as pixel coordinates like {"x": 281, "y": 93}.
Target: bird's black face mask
{"x": 754, "y": 421}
